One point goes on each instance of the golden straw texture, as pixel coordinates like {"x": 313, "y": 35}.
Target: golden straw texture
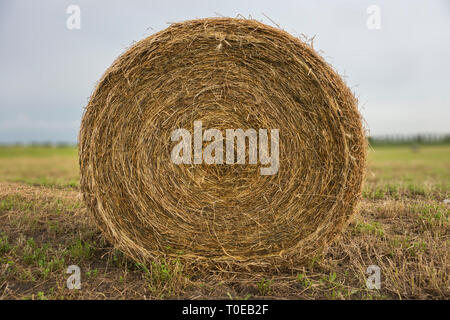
{"x": 228, "y": 73}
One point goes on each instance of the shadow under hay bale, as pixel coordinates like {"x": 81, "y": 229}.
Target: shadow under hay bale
{"x": 227, "y": 73}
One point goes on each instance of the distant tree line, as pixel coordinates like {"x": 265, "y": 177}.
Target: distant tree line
{"x": 50, "y": 144}
{"x": 414, "y": 139}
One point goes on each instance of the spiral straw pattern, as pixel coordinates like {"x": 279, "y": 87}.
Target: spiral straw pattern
{"x": 227, "y": 73}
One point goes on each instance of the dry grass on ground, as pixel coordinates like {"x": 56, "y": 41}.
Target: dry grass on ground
{"x": 402, "y": 226}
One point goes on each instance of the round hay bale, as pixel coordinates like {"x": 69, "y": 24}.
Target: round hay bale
{"x": 228, "y": 74}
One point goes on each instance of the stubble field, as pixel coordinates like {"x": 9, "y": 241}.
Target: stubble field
{"x": 402, "y": 226}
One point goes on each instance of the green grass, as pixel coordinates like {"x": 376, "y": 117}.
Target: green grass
{"x": 41, "y": 257}
{"x": 5, "y": 246}
{"x": 42, "y": 166}
{"x": 372, "y": 228}
{"x": 264, "y": 287}
{"x": 396, "y": 171}
{"x": 81, "y": 250}
{"x": 38, "y": 151}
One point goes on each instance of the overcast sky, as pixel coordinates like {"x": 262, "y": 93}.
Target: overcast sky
{"x": 400, "y": 72}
